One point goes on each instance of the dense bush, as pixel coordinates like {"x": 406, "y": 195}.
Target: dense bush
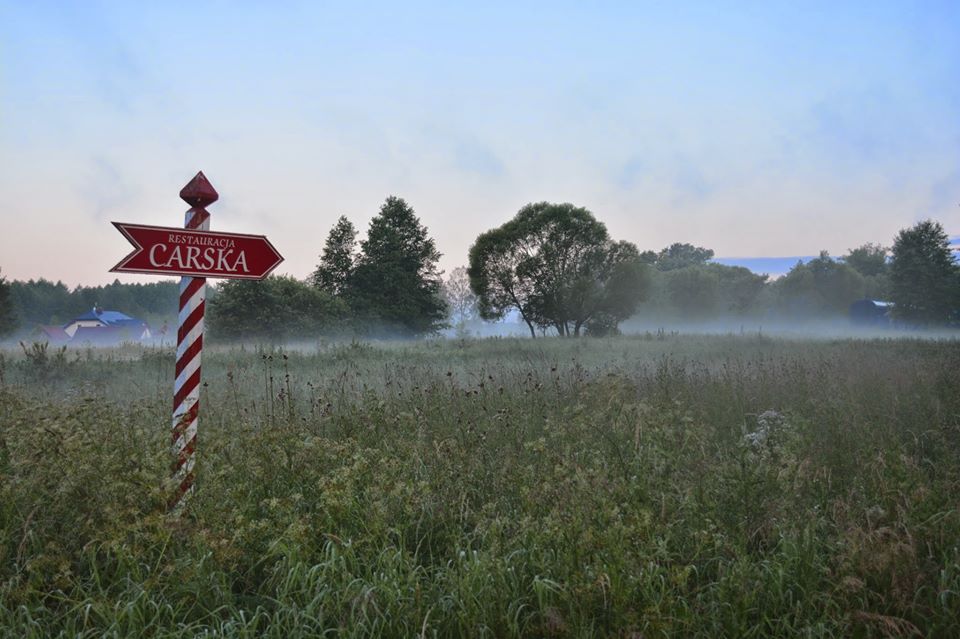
{"x": 274, "y": 309}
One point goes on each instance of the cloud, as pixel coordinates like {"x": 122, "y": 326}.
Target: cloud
{"x": 867, "y": 128}
{"x": 689, "y": 183}
{"x": 105, "y": 190}
{"x": 631, "y": 173}
{"x": 944, "y": 196}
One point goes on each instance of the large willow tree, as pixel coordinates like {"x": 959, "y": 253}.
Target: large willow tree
{"x": 556, "y": 266}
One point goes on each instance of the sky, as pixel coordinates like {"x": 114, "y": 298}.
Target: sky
{"x": 761, "y": 129}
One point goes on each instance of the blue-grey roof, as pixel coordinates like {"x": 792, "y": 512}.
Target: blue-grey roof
{"x": 101, "y": 335}
{"x": 110, "y": 318}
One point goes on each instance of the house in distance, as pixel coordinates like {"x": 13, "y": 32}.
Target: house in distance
{"x": 100, "y": 327}
{"x": 867, "y": 312}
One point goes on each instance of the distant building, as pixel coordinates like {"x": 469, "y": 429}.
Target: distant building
{"x": 871, "y": 312}
{"x": 51, "y": 334}
{"x": 100, "y": 327}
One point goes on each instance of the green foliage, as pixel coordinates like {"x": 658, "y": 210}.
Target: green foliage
{"x": 877, "y": 287}
{"x": 870, "y": 260}
{"x": 689, "y": 487}
{"x": 495, "y": 276}
{"x": 276, "y": 308}
{"x": 739, "y": 288}
{"x": 557, "y": 266}
{"x": 924, "y": 277}
{"x": 706, "y": 291}
{"x": 42, "y": 364}
{"x": 694, "y": 290}
{"x": 679, "y": 255}
{"x": 822, "y": 286}
{"x": 648, "y": 257}
{"x": 8, "y": 318}
{"x": 613, "y": 295}
{"x": 45, "y": 302}
{"x": 395, "y": 285}
{"x": 336, "y": 262}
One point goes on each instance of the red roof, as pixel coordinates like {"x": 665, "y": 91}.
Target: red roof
{"x": 54, "y": 333}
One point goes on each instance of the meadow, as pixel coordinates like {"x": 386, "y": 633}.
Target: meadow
{"x": 647, "y": 486}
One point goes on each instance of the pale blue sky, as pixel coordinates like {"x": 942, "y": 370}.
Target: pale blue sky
{"x": 761, "y": 129}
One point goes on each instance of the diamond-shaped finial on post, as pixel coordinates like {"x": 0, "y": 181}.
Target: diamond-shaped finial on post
{"x": 199, "y": 192}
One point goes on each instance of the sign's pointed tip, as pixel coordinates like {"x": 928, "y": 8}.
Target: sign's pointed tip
{"x": 199, "y": 191}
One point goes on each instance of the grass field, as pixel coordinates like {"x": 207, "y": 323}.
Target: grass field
{"x": 648, "y": 486}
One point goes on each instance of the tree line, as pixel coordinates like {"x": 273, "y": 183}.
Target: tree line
{"x": 387, "y": 284}
{"x": 552, "y": 267}
{"x": 918, "y": 274}
{"x": 555, "y": 269}
{"x": 42, "y": 302}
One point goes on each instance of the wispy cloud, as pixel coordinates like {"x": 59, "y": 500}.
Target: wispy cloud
{"x": 631, "y": 173}
{"x": 944, "y": 196}
{"x": 105, "y": 190}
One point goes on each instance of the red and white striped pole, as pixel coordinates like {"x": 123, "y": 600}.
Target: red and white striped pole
{"x": 198, "y": 193}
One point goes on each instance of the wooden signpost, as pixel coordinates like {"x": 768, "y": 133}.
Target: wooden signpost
{"x": 195, "y": 253}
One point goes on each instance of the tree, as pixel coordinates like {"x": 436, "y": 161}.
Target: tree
{"x": 680, "y": 255}
{"x": 8, "y": 319}
{"x": 739, "y": 287}
{"x": 43, "y": 302}
{"x": 693, "y": 290}
{"x": 278, "y": 307}
{"x": 460, "y": 298}
{"x": 649, "y": 257}
{"x": 557, "y": 267}
{"x": 497, "y": 279}
{"x": 706, "y": 290}
{"x": 869, "y": 260}
{"x": 822, "y": 285}
{"x": 336, "y": 261}
{"x": 395, "y": 282}
{"x": 623, "y": 283}
{"x": 923, "y": 275}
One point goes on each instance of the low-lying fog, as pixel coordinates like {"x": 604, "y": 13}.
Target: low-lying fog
{"x": 815, "y": 329}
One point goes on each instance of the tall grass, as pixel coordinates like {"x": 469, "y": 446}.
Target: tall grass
{"x": 648, "y": 486}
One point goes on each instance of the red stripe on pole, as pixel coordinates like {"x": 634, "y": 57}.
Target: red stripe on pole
{"x": 181, "y": 432}
{"x": 185, "y": 420}
{"x": 195, "y": 316}
{"x": 199, "y": 217}
{"x": 191, "y": 384}
{"x": 192, "y": 351}
{"x": 187, "y": 484}
{"x": 196, "y": 283}
{"x": 186, "y": 452}
{"x": 180, "y": 427}
{"x": 182, "y": 489}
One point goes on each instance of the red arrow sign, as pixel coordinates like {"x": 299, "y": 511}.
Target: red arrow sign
{"x": 173, "y": 251}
